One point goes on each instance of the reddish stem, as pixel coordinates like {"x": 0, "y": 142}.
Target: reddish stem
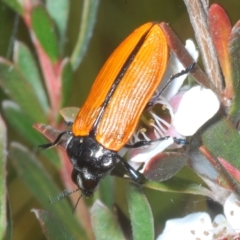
{"x": 230, "y": 181}
{"x": 51, "y": 71}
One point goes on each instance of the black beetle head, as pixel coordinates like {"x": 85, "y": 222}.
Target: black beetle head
{"x": 87, "y": 183}
{"x": 91, "y": 162}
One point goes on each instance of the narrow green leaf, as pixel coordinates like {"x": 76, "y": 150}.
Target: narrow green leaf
{"x": 45, "y": 32}
{"x": 105, "y": 225}
{"x": 59, "y": 11}
{"x": 51, "y": 226}
{"x": 15, "y": 5}
{"x": 217, "y": 135}
{"x": 89, "y": 15}
{"x": 15, "y": 85}
{"x": 25, "y": 61}
{"x": 234, "y": 50}
{"x": 66, "y": 76}
{"x": 41, "y": 185}
{"x": 3, "y": 175}
{"x": 140, "y": 214}
{"x": 23, "y": 125}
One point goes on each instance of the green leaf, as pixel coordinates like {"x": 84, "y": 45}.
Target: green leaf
{"x": 234, "y": 49}
{"x": 66, "y": 76}
{"x": 88, "y": 20}
{"x": 51, "y": 226}
{"x": 23, "y": 125}
{"x": 15, "y": 5}
{"x": 164, "y": 165}
{"x": 106, "y": 190}
{"x": 41, "y": 184}
{"x": 3, "y": 175}
{"x": 45, "y": 32}
{"x": 15, "y": 85}
{"x": 217, "y": 135}
{"x": 59, "y": 11}
{"x": 25, "y": 61}
{"x": 140, "y": 214}
{"x": 105, "y": 225}
{"x": 179, "y": 185}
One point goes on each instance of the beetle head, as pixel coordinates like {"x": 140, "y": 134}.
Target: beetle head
{"x": 91, "y": 162}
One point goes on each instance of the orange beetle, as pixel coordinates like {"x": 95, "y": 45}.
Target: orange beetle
{"x": 109, "y": 116}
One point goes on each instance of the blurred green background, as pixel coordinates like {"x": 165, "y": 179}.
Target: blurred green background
{"x": 115, "y": 20}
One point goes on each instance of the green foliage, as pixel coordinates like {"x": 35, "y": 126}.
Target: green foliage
{"x": 18, "y": 120}
{"x": 51, "y": 226}
{"x": 59, "y": 12}
{"x": 25, "y": 61}
{"x": 45, "y": 32}
{"x": 140, "y": 214}
{"x": 66, "y": 82}
{"x": 211, "y": 136}
{"x": 41, "y": 185}
{"x": 86, "y": 28}
{"x": 13, "y": 81}
{"x": 15, "y": 5}
{"x": 105, "y": 223}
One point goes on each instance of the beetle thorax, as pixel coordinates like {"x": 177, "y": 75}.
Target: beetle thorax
{"x": 91, "y": 162}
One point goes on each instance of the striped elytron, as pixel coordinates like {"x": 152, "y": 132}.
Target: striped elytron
{"x": 111, "y": 112}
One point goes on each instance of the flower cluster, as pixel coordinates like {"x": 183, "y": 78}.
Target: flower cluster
{"x": 200, "y": 226}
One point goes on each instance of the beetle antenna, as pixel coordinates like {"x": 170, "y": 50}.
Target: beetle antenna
{"x": 62, "y": 195}
{"x": 77, "y": 203}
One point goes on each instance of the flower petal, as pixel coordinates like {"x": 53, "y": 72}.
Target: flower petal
{"x": 193, "y": 226}
{"x": 232, "y": 212}
{"x": 197, "y": 106}
{"x": 190, "y": 46}
{"x": 147, "y": 153}
{"x": 174, "y": 67}
{"x": 221, "y": 228}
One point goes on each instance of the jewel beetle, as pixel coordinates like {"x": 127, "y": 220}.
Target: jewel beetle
{"x": 106, "y": 121}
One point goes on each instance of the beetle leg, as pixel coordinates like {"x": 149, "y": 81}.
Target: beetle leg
{"x": 185, "y": 71}
{"x": 144, "y": 142}
{"x": 135, "y": 175}
{"x": 56, "y": 142}
{"x": 180, "y": 141}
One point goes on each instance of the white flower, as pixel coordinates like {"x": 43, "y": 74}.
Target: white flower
{"x": 232, "y": 211}
{"x": 189, "y": 108}
{"x": 196, "y": 107}
{"x": 193, "y": 226}
{"x": 199, "y": 225}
